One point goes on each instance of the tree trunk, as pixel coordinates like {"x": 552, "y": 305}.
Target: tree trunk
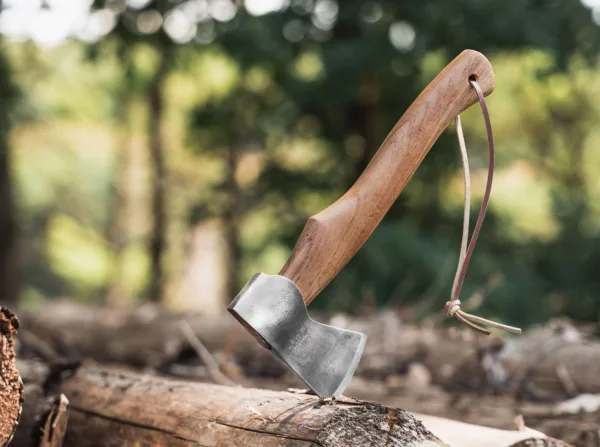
{"x": 202, "y": 286}
{"x": 231, "y": 220}
{"x": 363, "y": 118}
{"x": 9, "y": 283}
{"x": 9, "y": 271}
{"x": 118, "y": 227}
{"x": 159, "y": 176}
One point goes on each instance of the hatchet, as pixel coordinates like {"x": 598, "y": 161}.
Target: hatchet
{"x": 273, "y": 307}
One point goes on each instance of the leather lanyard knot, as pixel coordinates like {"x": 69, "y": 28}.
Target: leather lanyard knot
{"x": 452, "y": 307}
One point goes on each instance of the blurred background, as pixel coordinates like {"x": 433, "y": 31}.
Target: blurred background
{"x": 167, "y": 150}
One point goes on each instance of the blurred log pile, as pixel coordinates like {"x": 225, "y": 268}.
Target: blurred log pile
{"x": 547, "y": 380}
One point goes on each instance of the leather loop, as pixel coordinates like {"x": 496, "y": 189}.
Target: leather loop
{"x": 452, "y": 308}
{"x": 486, "y": 195}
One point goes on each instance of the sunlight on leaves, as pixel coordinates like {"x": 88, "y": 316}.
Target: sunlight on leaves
{"x": 308, "y": 66}
{"x": 77, "y": 253}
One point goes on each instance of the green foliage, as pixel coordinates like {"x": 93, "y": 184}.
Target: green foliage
{"x": 280, "y": 113}
{"x": 77, "y": 254}
{"x": 351, "y": 84}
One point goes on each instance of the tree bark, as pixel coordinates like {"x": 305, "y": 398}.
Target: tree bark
{"x": 159, "y": 176}
{"x": 11, "y": 386}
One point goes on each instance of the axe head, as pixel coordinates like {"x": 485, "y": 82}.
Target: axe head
{"x": 272, "y": 309}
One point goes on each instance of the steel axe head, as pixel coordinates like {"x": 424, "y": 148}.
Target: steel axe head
{"x": 272, "y": 309}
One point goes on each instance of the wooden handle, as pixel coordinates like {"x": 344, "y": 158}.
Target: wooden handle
{"x": 331, "y": 237}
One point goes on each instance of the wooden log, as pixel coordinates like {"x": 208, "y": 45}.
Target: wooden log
{"x": 144, "y": 337}
{"x": 11, "y": 386}
{"x": 126, "y": 409}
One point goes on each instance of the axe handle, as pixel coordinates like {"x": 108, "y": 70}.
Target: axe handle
{"x": 332, "y": 237}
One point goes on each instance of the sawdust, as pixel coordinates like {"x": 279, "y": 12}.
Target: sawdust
{"x": 11, "y": 387}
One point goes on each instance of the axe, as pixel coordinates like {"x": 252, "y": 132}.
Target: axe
{"x": 273, "y": 307}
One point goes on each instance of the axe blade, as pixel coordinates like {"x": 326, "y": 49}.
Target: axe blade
{"x": 272, "y": 309}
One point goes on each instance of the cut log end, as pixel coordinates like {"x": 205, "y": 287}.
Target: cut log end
{"x": 11, "y": 386}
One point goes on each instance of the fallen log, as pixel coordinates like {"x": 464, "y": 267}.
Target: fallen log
{"x": 11, "y": 386}
{"x": 144, "y": 337}
{"x": 124, "y": 408}
{"x": 118, "y": 408}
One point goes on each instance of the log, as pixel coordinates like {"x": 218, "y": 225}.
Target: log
{"x": 126, "y": 409}
{"x": 11, "y": 386}
{"x": 144, "y": 337}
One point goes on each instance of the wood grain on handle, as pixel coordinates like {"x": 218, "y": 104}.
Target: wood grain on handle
{"x": 332, "y": 237}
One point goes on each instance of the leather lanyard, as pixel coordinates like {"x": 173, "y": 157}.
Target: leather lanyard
{"x": 452, "y": 307}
